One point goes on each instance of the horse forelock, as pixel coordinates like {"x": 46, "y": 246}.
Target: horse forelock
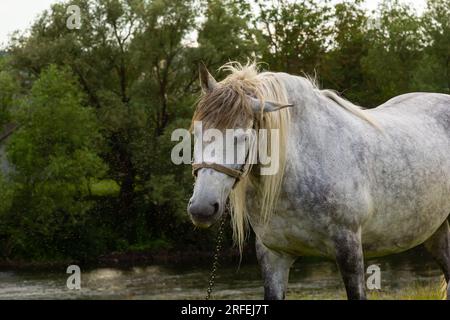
{"x": 227, "y": 106}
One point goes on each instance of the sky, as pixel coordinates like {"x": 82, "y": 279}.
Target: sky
{"x": 19, "y": 14}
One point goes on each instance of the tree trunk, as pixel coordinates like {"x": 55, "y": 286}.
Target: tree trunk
{"x": 127, "y": 177}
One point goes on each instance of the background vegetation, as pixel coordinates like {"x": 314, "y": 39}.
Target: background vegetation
{"x": 95, "y": 107}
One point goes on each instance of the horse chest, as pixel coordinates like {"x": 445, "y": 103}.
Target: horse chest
{"x": 292, "y": 230}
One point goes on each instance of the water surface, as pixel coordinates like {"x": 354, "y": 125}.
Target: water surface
{"x": 309, "y": 279}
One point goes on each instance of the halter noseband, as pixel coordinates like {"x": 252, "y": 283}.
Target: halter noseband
{"x": 237, "y": 174}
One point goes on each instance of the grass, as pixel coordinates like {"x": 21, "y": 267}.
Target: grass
{"x": 415, "y": 291}
{"x": 105, "y": 188}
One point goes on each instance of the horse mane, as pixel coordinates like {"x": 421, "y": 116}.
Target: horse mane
{"x": 227, "y": 106}
{"x": 343, "y": 103}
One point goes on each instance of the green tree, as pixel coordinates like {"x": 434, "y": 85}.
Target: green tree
{"x": 396, "y": 44}
{"x": 131, "y": 63}
{"x": 293, "y": 35}
{"x": 54, "y": 157}
{"x": 433, "y": 70}
{"x": 226, "y": 34}
{"x": 9, "y": 89}
{"x": 342, "y": 69}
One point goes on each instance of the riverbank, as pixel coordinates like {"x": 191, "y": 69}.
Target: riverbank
{"x": 138, "y": 258}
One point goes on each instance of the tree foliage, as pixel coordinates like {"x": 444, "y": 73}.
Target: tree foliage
{"x": 54, "y": 158}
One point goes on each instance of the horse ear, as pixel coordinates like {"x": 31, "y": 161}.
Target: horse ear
{"x": 269, "y": 106}
{"x": 207, "y": 81}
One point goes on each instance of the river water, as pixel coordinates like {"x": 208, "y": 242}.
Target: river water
{"x": 309, "y": 279}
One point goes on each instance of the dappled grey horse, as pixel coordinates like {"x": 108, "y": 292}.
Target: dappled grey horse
{"x": 353, "y": 183}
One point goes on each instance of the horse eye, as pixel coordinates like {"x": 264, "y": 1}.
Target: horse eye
{"x": 243, "y": 138}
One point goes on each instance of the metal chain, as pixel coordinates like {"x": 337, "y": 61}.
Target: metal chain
{"x": 215, "y": 264}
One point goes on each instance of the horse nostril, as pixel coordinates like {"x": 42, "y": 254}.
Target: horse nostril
{"x": 216, "y": 207}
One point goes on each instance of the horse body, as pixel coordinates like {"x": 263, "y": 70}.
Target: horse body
{"x": 357, "y": 183}
{"x": 393, "y": 185}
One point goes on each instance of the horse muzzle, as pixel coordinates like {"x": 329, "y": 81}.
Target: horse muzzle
{"x": 204, "y": 214}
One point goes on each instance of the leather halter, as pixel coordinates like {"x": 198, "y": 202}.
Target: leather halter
{"x": 237, "y": 174}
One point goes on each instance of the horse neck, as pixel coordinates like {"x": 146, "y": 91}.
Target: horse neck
{"x": 316, "y": 117}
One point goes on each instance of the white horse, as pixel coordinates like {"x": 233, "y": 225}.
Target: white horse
{"x": 352, "y": 183}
